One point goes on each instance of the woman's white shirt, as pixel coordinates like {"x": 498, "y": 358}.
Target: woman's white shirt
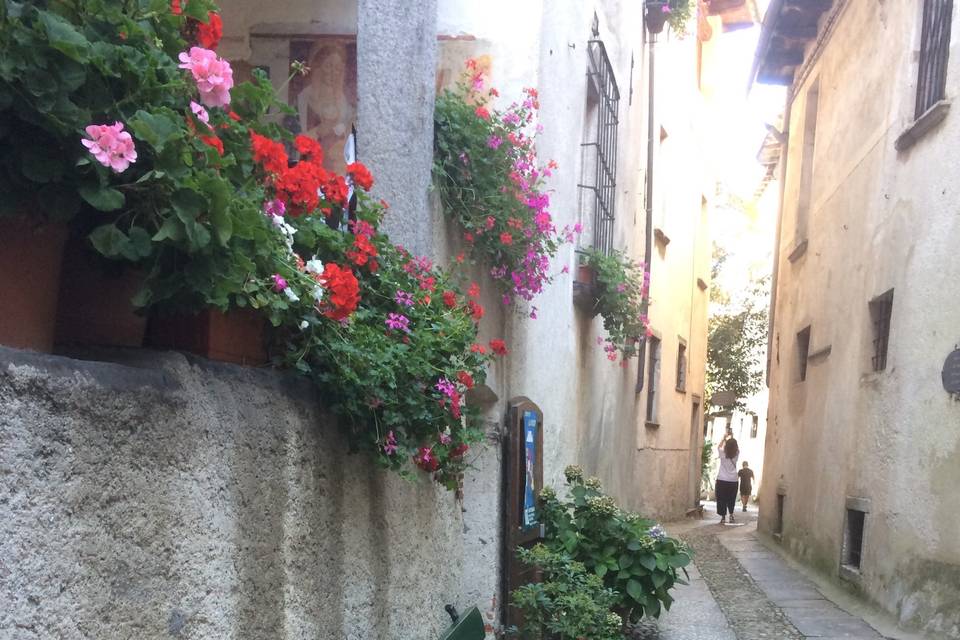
{"x": 728, "y": 468}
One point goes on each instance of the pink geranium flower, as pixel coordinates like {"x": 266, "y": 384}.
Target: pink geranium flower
{"x": 201, "y": 113}
{"x": 111, "y": 146}
{"x": 212, "y": 73}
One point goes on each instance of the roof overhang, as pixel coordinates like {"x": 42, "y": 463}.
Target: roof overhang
{"x": 734, "y": 14}
{"x": 788, "y": 27}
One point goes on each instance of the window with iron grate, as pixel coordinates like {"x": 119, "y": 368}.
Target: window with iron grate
{"x": 934, "y": 52}
{"x": 881, "y": 310}
{"x": 599, "y": 181}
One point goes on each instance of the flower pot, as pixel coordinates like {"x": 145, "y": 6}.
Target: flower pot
{"x": 95, "y": 307}
{"x": 655, "y": 15}
{"x": 30, "y": 257}
{"x": 235, "y": 336}
{"x": 584, "y": 290}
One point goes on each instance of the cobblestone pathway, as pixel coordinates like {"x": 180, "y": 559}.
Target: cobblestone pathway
{"x": 740, "y": 590}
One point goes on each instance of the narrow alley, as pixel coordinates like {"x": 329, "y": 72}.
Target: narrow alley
{"x": 741, "y": 589}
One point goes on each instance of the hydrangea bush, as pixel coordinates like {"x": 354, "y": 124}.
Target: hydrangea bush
{"x": 490, "y": 181}
{"x": 632, "y": 556}
{"x": 125, "y": 114}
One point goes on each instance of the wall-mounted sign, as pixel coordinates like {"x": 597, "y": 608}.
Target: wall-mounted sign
{"x": 530, "y": 454}
{"x": 951, "y": 372}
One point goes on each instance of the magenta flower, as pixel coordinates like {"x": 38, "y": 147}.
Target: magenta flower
{"x": 275, "y": 208}
{"x": 390, "y": 446}
{"x": 445, "y": 439}
{"x": 213, "y": 75}
{"x": 621, "y": 287}
{"x": 494, "y": 142}
{"x": 445, "y": 387}
{"x": 111, "y": 146}
{"x": 403, "y": 298}
{"x": 398, "y": 321}
{"x": 279, "y": 284}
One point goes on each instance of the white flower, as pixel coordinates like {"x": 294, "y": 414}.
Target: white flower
{"x": 318, "y": 294}
{"x": 314, "y": 265}
{"x": 291, "y": 295}
{"x": 304, "y": 324}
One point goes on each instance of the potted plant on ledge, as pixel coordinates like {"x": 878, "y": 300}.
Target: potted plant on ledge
{"x": 619, "y": 288}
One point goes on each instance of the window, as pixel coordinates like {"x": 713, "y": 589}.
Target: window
{"x": 803, "y": 352}
{"x": 653, "y": 379}
{"x": 682, "y": 366}
{"x": 934, "y": 51}
{"x": 881, "y": 308}
{"x": 853, "y": 539}
{"x": 754, "y": 426}
{"x": 811, "y": 107}
{"x": 599, "y": 169}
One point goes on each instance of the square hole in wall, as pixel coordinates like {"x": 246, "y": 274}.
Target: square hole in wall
{"x": 778, "y": 522}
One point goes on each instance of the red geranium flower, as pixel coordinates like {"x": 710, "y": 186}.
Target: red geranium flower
{"x": 309, "y": 149}
{"x": 499, "y": 346}
{"x": 209, "y": 34}
{"x": 269, "y": 154}
{"x": 478, "y": 348}
{"x": 476, "y": 311}
{"x": 233, "y": 115}
{"x": 344, "y": 291}
{"x": 298, "y": 186}
{"x": 335, "y": 189}
{"x": 459, "y": 450}
{"x": 474, "y": 290}
{"x": 426, "y": 460}
{"x": 482, "y": 113}
{"x": 450, "y": 299}
{"x": 175, "y": 7}
{"x": 465, "y": 379}
{"x": 506, "y": 238}
{"x": 214, "y": 142}
{"x": 362, "y": 251}
{"x": 361, "y": 175}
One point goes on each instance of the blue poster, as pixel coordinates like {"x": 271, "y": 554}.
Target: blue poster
{"x": 530, "y": 455}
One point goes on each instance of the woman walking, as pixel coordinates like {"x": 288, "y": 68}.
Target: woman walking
{"x": 727, "y": 479}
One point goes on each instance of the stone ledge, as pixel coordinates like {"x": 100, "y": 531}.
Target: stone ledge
{"x": 919, "y": 127}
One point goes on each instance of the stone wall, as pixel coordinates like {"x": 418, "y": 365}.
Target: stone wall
{"x": 163, "y": 496}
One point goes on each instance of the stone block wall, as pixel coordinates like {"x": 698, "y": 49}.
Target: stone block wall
{"x": 162, "y": 496}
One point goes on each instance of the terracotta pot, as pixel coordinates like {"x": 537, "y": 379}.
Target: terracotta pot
{"x": 95, "y": 307}
{"x": 235, "y": 336}
{"x": 30, "y": 256}
{"x": 585, "y": 274}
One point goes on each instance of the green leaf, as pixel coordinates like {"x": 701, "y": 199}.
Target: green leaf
{"x": 648, "y": 561}
{"x": 635, "y": 590}
{"x": 64, "y": 37}
{"x": 658, "y": 579}
{"x": 625, "y": 561}
{"x": 140, "y": 245}
{"x": 101, "y": 197}
{"x": 634, "y": 545}
{"x": 218, "y": 197}
{"x": 108, "y": 240}
{"x": 188, "y": 204}
{"x": 678, "y": 561}
{"x": 171, "y": 229}
{"x": 600, "y": 570}
{"x": 156, "y": 130}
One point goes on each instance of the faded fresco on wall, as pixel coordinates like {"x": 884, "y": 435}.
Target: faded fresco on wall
{"x": 325, "y": 98}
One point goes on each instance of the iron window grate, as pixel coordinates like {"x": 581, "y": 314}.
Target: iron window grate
{"x": 934, "y": 51}
{"x": 601, "y": 77}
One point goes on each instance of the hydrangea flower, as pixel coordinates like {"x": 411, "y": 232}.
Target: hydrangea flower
{"x": 111, "y": 146}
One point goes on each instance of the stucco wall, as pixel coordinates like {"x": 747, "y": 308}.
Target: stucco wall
{"x": 167, "y": 497}
{"x": 591, "y": 411}
{"x": 879, "y": 219}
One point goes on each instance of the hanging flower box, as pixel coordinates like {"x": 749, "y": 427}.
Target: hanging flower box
{"x": 30, "y": 256}
{"x": 95, "y": 306}
{"x": 236, "y": 336}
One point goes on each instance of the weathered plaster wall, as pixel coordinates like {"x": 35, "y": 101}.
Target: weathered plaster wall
{"x": 167, "y": 497}
{"x": 879, "y": 219}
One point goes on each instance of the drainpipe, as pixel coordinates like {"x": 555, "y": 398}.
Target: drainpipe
{"x": 654, "y": 18}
